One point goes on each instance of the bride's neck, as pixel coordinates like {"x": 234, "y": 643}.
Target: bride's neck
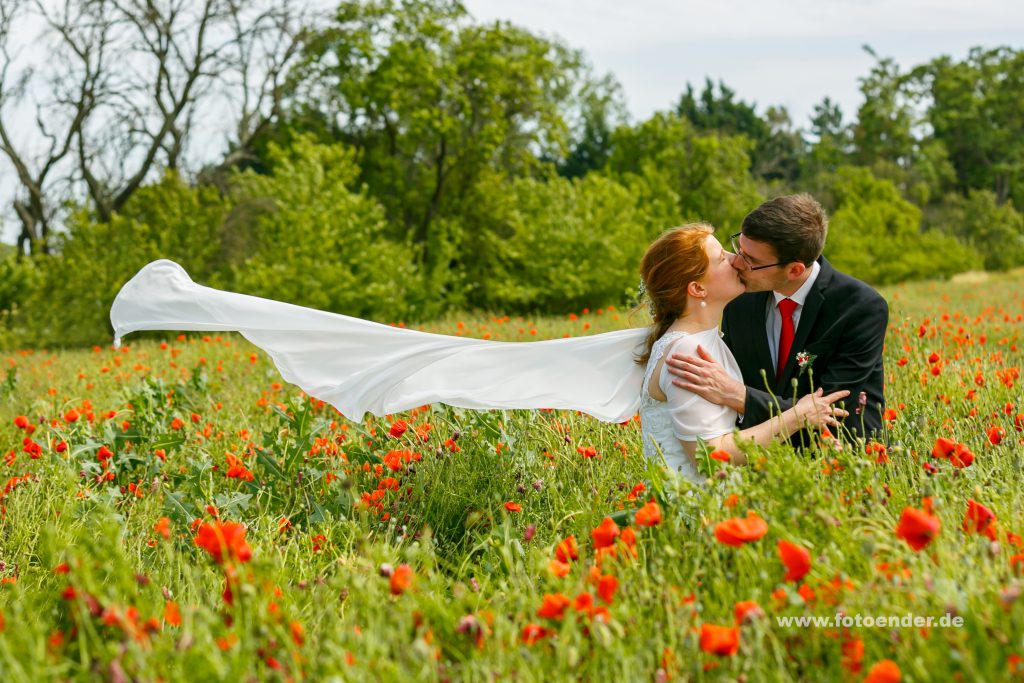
{"x": 698, "y": 319}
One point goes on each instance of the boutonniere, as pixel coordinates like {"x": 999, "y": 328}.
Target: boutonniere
{"x": 805, "y": 360}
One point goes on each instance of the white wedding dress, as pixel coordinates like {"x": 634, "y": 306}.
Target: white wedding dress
{"x": 684, "y": 416}
{"x": 359, "y": 366}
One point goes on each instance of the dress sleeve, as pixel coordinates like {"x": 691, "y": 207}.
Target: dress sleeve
{"x": 692, "y": 416}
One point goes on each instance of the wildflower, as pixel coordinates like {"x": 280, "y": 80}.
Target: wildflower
{"x": 401, "y": 579}
{"x": 719, "y": 640}
{"x": 796, "y": 559}
{"x": 553, "y": 606}
{"x": 736, "y": 531}
{"x": 979, "y": 519}
{"x": 746, "y": 611}
{"x": 918, "y": 527}
{"x": 224, "y": 540}
{"x": 885, "y": 671}
{"x": 513, "y": 507}
{"x": 398, "y": 428}
{"x": 566, "y": 550}
{"x": 604, "y": 535}
{"x": 648, "y": 515}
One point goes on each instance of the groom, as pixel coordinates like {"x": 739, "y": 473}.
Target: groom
{"x": 800, "y": 320}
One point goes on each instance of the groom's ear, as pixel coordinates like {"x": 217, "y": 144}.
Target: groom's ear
{"x": 795, "y": 270}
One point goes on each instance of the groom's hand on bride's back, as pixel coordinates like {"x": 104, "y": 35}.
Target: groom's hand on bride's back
{"x": 705, "y": 376}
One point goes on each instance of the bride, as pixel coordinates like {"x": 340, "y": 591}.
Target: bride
{"x": 359, "y": 366}
{"x": 689, "y": 278}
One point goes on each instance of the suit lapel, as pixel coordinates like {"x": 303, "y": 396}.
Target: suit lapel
{"x": 808, "y": 316}
{"x": 758, "y": 338}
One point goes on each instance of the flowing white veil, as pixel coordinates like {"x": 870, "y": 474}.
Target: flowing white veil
{"x": 360, "y": 366}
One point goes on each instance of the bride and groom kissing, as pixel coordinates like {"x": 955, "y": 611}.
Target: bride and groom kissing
{"x": 757, "y": 343}
{"x": 753, "y": 344}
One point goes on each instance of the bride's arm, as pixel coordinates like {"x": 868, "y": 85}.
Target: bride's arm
{"x": 813, "y": 410}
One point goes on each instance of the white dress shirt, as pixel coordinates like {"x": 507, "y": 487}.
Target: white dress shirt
{"x": 773, "y": 321}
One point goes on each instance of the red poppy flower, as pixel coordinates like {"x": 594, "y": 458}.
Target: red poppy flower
{"x": 224, "y": 540}
{"x": 979, "y": 520}
{"x": 401, "y": 579}
{"x": 566, "y": 550}
{"x": 736, "y": 531}
{"x": 648, "y": 515}
{"x": 885, "y": 671}
{"x": 398, "y": 428}
{"x": 533, "y": 632}
{"x": 917, "y": 527}
{"x": 943, "y": 447}
{"x": 606, "y": 587}
{"x": 995, "y": 435}
{"x": 796, "y": 558}
{"x": 604, "y": 535}
{"x": 746, "y": 610}
{"x": 720, "y": 455}
{"x": 587, "y": 451}
{"x": 21, "y": 422}
{"x": 553, "y": 606}
{"x": 71, "y": 415}
{"x": 513, "y": 507}
{"x": 719, "y": 640}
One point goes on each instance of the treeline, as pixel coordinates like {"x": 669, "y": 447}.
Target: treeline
{"x": 408, "y": 160}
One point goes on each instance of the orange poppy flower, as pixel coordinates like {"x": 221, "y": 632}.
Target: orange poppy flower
{"x": 606, "y": 587}
{"x": 719, "y": 640}
{"x": 401, "y": 579}
{"x": 513, "y": 507}
{"x": 604, "y": 535}
{"x": 746, "y": 610}
{"x": 918, "y": 527}
{"x": 736, "y": 531}
{"x": 885, "y": 671}
{"x": 532, "y": 633}
{"x": 566, "y": 550}
{"x": 796, "y": 558}
{"x": 553, "y": 606}
{"x": 648, "y": 515}
{"x": 224, "y": 540}
{"x": 979, "y": 520}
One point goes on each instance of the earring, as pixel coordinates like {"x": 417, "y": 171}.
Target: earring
{"x": 703, "y": 304}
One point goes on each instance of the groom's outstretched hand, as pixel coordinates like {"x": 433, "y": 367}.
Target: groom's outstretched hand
{"x": 704, "y": 376}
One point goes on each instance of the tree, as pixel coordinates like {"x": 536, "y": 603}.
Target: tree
{"x": 433, "y": 103}
{"x": 975, "y": 113}
{"x": 127, "y": 79}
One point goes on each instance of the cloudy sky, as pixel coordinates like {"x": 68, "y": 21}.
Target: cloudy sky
{"x": 771, "y": 52}
{"x": 781, "y": 52}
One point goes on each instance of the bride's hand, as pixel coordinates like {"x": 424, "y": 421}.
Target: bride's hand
{"x": 817, "y": 410}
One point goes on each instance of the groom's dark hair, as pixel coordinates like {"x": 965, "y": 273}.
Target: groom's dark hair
{"x": 794, "y": 225}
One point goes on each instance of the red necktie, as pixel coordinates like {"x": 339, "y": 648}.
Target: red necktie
{"x": 786, "y": 308}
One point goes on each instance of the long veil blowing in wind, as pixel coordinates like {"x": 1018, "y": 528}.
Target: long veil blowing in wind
{"x": 359, "y": 366}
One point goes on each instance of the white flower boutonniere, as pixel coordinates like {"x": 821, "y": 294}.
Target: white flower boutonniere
{"x": 805, "y": 360}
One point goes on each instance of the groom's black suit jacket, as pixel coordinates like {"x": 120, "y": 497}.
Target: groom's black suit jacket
{"x": 842, "y": 323}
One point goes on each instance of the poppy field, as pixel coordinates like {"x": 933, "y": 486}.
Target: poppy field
{"x": 171, "y": 510}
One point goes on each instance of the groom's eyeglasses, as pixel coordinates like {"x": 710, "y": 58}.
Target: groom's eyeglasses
{"x": 739, "y": 252}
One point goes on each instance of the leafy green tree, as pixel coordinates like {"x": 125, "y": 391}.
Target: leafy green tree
{"x": 70, "y": 303}
{"x": 875, "y": 234}
{"x": 996, "y": 230}
{"x": 319, "y": 242}
{"x": 556, "y": 244}
{"x": 975, "y": 111}
{"x": 709, "y": 174}
{"x": 433, "y": 103}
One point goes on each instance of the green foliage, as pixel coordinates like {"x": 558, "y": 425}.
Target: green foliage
{"x": 708, "y": 173}
{"x": 995, "y": 230}
{"x": 876, "y": 235}
{"x": 556, "y": 245}
{"x": 71, "y": 301}
{"x": 318, "y": 242}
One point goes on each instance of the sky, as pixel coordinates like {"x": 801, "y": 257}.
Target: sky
{"x": 770, "y": 52}
{"x": 791, "y": 53}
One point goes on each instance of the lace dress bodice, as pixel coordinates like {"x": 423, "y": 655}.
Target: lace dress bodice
{"x": 684, "y": 416}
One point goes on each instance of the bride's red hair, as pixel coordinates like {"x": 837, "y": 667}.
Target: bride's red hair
{"x": 669, "y": 265}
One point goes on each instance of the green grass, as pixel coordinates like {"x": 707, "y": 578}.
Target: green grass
{"x": 312, "y": 602}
